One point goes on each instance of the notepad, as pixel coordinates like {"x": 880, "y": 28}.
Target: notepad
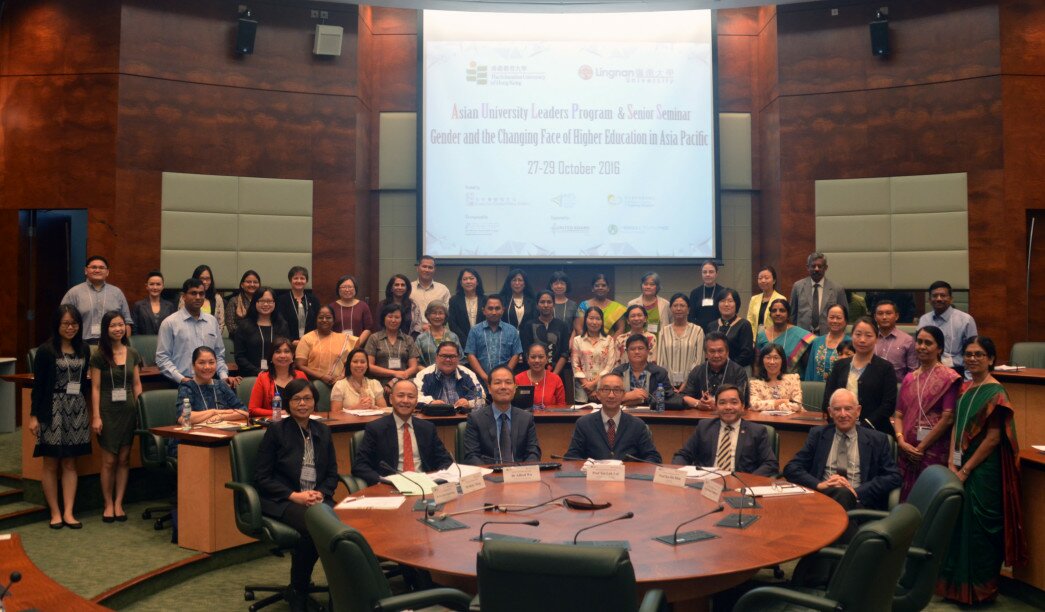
{"x": 451, "y": 474}
{"x": 404, "y": 485}
{"x": 197, "y": 432}
{"x": 702, "y": 473}
{"x": 364, "y": 413}
{"x": 371, "y": 503}
{"x": 771, "y": 491}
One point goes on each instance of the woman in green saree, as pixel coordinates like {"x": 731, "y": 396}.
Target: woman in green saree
{"x": 983, "y": 455}
{"x": 794, "y": 339}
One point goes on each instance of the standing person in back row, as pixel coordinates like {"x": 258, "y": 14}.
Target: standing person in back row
{"x": 298, "y": 308}
{"x": 814, "y": 294}
{"x": 426, "y": 289}
{"x": 957, "y": 326}
{"x": 94, "y": 297}
{"x": 703, "y": 301}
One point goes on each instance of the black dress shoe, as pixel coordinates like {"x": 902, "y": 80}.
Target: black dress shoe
{"x": 120, "y": 518}
{"x": 75, "y": 525}
{"x": 108, "y": 519}
{"x": 57, "y": 525}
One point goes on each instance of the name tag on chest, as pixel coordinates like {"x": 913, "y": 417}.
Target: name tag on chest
{"x": 119, "y": 395}
{"x": 72, "y": 388}
{"x": 308, "y": 473}
{"x": 395, "y": 363}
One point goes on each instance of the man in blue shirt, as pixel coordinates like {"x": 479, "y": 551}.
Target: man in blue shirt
{"x": 95, "y": 297}
{"x": 184, "y": 331}
{"x": 493, "y": 342}
{"x": 956, "y": 325}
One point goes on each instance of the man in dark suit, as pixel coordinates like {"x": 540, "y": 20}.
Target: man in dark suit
{"x": 729, "y": 442}
{"x": 852, "y": 465}
{"x": 399, "y": 440}
{"x": 641, "y": 378}
{"x": 812, "y": 296}
{"x": 609, "y": 433}
{"x": 500, "y": 432}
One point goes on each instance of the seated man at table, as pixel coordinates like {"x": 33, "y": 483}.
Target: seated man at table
{"x": 852, "y": 465}
{"x": 609, "y": 433}
{"x": 704, "y": 380}
{"x": 729, "y": 442}
{"x": 446, "y": 381}
{"x": 641, "y": 378}
{"x": 399, "y": 440}
{"x": 500, "y": 432}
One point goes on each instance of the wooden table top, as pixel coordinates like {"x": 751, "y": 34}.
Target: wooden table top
{"x": 1031, "y": 376}
{"x": 788, "y": 527}
{"x": 36, "y": 589}
{"x": 1032, "y": 456}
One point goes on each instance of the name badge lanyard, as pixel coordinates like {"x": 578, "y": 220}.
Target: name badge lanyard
{"x": 264, "y": 346}
{"x": 72, "y": 385}
{"x": 308, "y": 462}
{"x": 397, "y": 360}
{"x": 707, "y": 379}
{"x": 543, "y": 384}
{"x": 351, "y": 315}
{"x": 213, "y": 390}
{"x": 119, "y": 394}
{"x": 959, "y": 426}
{"x": 923, "y": 418}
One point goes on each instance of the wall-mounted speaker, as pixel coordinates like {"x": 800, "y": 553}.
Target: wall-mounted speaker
{"x": 245, "y": 32}
{"x": 328, "y": 40}
{"x": 880, "y": 37}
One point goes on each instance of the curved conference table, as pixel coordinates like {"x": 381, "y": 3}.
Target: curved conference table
{"x": 788, "y": 527}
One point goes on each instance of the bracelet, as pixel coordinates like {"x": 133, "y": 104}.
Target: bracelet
{"x": 899, "y": 435}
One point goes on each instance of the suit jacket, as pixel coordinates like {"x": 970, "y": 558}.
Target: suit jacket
{"x": 248, "y": 343}
{"x": 876, "y": 390}
{"x": 878, "y": 472}
{"x": 633, "y": 438}
{"x": 509, "y": 316}
{"x": 754, "y": 454}
{"x": 141, "y": 313}
{"x": 480, "y": 437}
{"x": 457, "y": 316}
{"x": 287, "y": 311}
{"x": 381, "y": 443}
{"x": 277, "y": 472}
{"x": 802, "y": 303}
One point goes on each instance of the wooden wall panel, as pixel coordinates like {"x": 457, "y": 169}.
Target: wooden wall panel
{"x": 737, "y": 55}
{"x": 1022, "y": 26}
{"x": 59, "y": 37}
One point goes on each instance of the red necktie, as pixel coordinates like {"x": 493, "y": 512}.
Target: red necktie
{"x": 408, "y": 449}
{"x": 611, "y": 432}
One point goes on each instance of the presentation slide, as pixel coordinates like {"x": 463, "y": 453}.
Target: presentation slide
{"x": 558, "y": 136}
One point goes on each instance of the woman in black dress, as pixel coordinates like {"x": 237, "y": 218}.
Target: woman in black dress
{"x": 58, "y": 417}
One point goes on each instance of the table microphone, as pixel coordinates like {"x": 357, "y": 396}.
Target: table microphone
{"x": 14, "y": 577}
{"x": 631, "y": 457}
{"x": 626, "y": 515}
{"x": 487, "y": 507}
{"x": 675, "y": 537}
{"x": 429, "y": 510}
{"x": 740, "y": 511}
{"x": 532, "y": 523}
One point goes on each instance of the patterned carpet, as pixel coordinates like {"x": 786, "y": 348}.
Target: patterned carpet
{"x": 11, "y": 452}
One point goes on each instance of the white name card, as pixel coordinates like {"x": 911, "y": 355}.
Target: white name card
{"x": 712, "y": 490}
{"x": 472, "y": 482}
{"x": 669, "y": 476}
{"x": 445, "y": 492}
{"x": 522, "y": 473}
{"x": 606, "y": 472}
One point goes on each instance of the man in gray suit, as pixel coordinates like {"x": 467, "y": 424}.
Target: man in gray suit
{"x": 812, "y": 296}
{"x": 729, "y": 442}
{"x": 500, "y": 433}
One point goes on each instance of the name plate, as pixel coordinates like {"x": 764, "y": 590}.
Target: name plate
{"x": 712, "y": 490}
{"x": 444, "y": 493}
{"x": 606, "y": 472}
{"x": 522, "y": 473}
{"x": 669, "y": 476}
{"x": 472, "y": 482}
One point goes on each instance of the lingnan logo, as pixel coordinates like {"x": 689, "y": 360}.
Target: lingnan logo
{"x": 585, "y": 72}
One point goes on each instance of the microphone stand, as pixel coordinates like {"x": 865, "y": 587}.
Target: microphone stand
{"x": 675, "y": 541}
{"x": 736, "y": 520}
{"x": 428, "y": 509}
{"x": 480, "y": 538}
{"x": 626, "y": 515}
{"x": 14, "y": 577}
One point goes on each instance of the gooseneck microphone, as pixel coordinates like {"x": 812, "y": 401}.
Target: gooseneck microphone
{"x": 675, "y": 536}
{"x": 566, "y": 501}
{"x": 487, "y": 507}
{"x": 626, "y": 515}
{"x": 568, "y": 458}
{"x": 743, "y": 496}
{"x": 429, "y": 510}
{"x": 533, "y": 523}
{"x": 14, "y": 577}
{"x": 631, "y": 457}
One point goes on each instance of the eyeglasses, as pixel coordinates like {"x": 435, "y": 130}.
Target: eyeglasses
{"x": 447, "y": 355}
{"x": 975, "y": 355}
{"x": 269, "y": 302}
{"x": 729, "y": 402}
{"x": 301, "y": 401}
{"x": 612, "y": 390}
{"x": 97, "y": 268}
{"x": 69, "y": 324}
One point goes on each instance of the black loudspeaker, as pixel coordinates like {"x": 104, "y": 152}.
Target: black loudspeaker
{"x": 245, "y": 35}
{"x": 880, "y": 38}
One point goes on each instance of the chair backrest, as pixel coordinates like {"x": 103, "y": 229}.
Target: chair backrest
{"x": 156, "y": 408}
{"x": 774, "y": 440}
{"x": 230, "y": 350}
{"x": 522, "y": 575}
{"x": 243, "y": 451}
{"x": 323, "y": 404}
{"x": 813, "y": 394}
{"x": 245, "y": 388}
{"x": 939, "y": 496}
{"x": 353, "y": 571}
{"x": 30, "y": 360}
{"x": 866, "y": 575}
{"x": 145, "y": 344}
{"x": 1028, "y": 354}
{"x": 353, "y": 444}
{"x": 459, "y": 440}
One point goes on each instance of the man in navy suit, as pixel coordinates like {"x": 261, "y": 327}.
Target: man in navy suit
{"x": 729, "y": 442}
{"x": 852, "y": 465}
{"x": 500, "y": 432}
{"x": 399, "y": 440}
{"x": 609, "y": 433}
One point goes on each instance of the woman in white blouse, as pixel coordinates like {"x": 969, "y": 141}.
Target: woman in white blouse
{"x": 771, "y": 389}
{"x": 592, "y": 355}
{"x": 680, "y": 346}
{"x": 356, "y": 391}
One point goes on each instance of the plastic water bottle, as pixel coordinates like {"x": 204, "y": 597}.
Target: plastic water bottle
{"x": 277, "y": 408}
{"x": 478, "y": 402}
{"x": 658, "y": 398}
{"x": 186, "y": 414}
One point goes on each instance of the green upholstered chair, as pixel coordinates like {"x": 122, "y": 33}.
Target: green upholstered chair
{"x": 323, "y": 404}
{"x": 353, "y": 483}
{"x": 527, "y": 576}
{"x": 243, "y": 450}
{"x": 459, "y": 440}
{"x": 230, "y": 351}
{"x": 245, "y": 388}
{"x": 30, "y": 360}
{"x": 938, "y": 494}
{"x": 357, "y": 582}
{"x": 1028, "y": 354}
{"x": 145, "y": 344}
{"x": 157, "y": 408}
{"x": 865, "y": 578}
{"x": 813, "y": 394}
{"x": 774, "y": 440}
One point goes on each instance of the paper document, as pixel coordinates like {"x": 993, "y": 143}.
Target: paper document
{"x": 371, "y": 503}
{"x": 209, "y": 434}
{"x": 362, "y": 413}
{"x": 1009, "y": 368}
{"x": 1039, "y": 448}
{"x": 775, "y": 491}
{"x": 590, "y": 462}
{"x": 406, "y": 487}
{"x": 776, "y": 412}
{"x": 225, "y": 425}
{"x": 451, "y": 474}
{"x": 702, "y": 473}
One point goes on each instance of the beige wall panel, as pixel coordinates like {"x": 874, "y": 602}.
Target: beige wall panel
{"x": 868, "y": 196}
{"x": 929, "y": 193}
{"x": 858, "y": 270}
{"x": 947, "y": 231}
{"x": 188, "y": 231}
{"x": 397, "y": 151}
{"x": 734, "y": 130}
{"x": 178, "y": 266}
{"x": 919, "y": 270}
{"x": 265, "y": 196}
{"x": 276, "y": 233}
{"x": 199, "y": 192}
{"x": 857, "y": 233}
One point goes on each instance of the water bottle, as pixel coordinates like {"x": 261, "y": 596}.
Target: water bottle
{"x": 186, "y": 414}
{"x": 658, "y": 399}
{"x": 277, "y": 408}
{"x": 478, "y": 402}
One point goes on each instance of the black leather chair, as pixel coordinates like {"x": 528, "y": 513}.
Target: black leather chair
{"x": 249, "y": 520}
{"x": 866, "y": 575}
{"x": 525, "y": 576}
{"x": 357, "y": 583}
{"x": 939, "y": 495}
{"x": 157, "y": 408}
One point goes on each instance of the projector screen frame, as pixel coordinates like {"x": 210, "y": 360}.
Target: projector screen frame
{"x": 543, "y": 261}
